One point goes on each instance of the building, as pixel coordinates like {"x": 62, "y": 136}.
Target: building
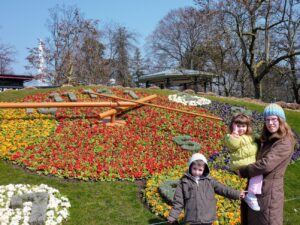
{"x": 182, "y": 78}
{"x": 11, "y": 81}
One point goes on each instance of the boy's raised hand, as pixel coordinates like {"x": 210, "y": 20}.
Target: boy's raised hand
{"x": 243, "y": 194}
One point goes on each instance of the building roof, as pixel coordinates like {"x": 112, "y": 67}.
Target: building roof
{"x": 174, "y": 74}
{"x": 16, "y": 77}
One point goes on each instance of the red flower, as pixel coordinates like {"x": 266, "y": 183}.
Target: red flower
{"x": 15, "y": 156}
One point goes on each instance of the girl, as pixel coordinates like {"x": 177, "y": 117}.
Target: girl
{"x": 243, "y": 150}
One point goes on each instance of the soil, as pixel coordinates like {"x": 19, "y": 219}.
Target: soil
{"x": 141, "y": 184}
{"x": 49, "y": 176}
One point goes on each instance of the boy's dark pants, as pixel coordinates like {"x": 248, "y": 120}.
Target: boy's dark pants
{"x": 244, "y": 210}
{"x": 244, "y": 213}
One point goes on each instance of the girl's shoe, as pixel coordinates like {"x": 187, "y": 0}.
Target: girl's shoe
{"x": 252, "y": 202}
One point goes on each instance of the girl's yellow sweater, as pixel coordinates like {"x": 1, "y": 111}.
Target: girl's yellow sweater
{"x": 243, "y": 150}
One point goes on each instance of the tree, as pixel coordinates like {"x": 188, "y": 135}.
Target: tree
{"x": 91, "y": 61}
{"x": 196, "y": 39}
{"x": 219, "y": 55}
{"x": 67, "y": 46}
{"x": 137, "y": 66}
{"x": 254, "y": 23}
{"x": 120, "y": 43}
{"x": 7, "y": 57}
{"x": 290, "y": 28}
{"x": 178, "y": 35}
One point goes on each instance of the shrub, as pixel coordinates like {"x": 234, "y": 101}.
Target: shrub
{"x": 167, "y": 190}
{"x": 181, "y": 140}
{"x": 189, "y": 91}
{"x": 191, "y": 146}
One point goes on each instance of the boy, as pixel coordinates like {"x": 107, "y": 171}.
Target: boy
{"x": 195, "y": 194}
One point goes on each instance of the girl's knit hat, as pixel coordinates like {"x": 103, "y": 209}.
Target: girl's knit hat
{"x": 274, "y": 110}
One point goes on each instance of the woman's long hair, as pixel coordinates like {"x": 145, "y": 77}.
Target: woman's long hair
{"x": 284, "y": 130}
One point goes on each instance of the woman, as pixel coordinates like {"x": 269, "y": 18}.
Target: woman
{"x": 277, "y": 147}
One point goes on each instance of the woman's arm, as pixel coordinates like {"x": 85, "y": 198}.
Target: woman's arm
{"x": 280, "y": 152}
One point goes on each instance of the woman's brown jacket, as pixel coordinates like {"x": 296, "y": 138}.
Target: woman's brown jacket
{"x": 272, "y": 161}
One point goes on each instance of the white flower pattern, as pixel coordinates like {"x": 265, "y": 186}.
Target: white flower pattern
{"x": 190, "y": 100}
{"x": 57, "y": 209}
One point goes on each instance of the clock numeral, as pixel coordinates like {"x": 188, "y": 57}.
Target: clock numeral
{"x": 39, "y": 206}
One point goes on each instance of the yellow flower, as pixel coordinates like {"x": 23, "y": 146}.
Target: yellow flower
{"x": 166, "y": 214}
{"x": 20, "y": 131}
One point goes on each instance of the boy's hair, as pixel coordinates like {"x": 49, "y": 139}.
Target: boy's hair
{"x": 198, "y": 163}
{"x": 241, "y": 119}
{"x": 284, "y": 130}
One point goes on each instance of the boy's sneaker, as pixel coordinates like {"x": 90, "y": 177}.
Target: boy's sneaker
{"x": 252, "y": 202}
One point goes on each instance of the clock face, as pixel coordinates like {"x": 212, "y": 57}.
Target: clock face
{"x": 76, "y": 143}
{"x": 19, "y": 201}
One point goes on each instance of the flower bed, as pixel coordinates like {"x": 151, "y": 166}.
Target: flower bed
{"x": 227, "y": 210}
{"x": 76, "y": 144}
{"x": 19, "y": 130}
{"x": 57, "y": 207}
{"x": 83, "y": 147}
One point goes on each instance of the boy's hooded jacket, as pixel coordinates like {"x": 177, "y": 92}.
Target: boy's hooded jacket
{"x": 198, "y": 200}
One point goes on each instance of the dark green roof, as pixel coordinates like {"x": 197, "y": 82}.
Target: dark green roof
{"x": 174, "y": 74}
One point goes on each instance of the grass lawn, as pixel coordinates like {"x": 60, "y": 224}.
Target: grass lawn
{"x": 292, "y": 194}
{"x": 117, "y": 203}
{"x": 91, "y": 202}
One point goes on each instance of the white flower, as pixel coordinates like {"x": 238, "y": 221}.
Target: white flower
{"x": 189, "y": 100}
{"x": 59, "y": 219}
{"x": 14, "y": 223}
{"x": 26, "y": 209}
{"x": 26, "y": 219}
{"x": 16, "y": 218}
{"x": 57, "y": 209}
{"x": 66, "y": 204}
{"x": 64, "y": 213}
{"x": 53, "y": 203}
{"x": 50, "y": 213}
{"x": 10, "y": 194}
{"x": 192, "y": 103}
{"x": 10, "y": 187}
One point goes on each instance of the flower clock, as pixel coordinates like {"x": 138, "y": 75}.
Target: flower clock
{"x": 32, "y": 204}
{"x": 75, "y": 143}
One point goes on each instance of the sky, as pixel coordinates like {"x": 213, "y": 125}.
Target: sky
{"x": 22, "y": 22}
